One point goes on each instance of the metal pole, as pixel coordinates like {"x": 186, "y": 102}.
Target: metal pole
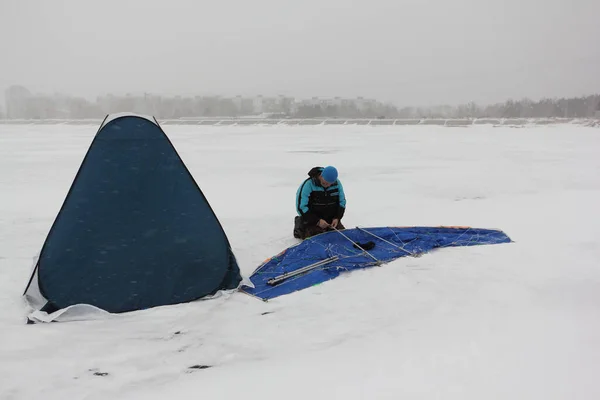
{"x": 357, "y": 245}
{"x": 388, "y": 242}
{"x": 310, "y": 267}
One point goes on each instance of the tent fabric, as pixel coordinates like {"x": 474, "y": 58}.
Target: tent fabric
{"x": 134, "y": 232}
{"x": 388, "y": 243}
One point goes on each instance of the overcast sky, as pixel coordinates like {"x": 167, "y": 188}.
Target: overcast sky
{"x": 411, "y": 52}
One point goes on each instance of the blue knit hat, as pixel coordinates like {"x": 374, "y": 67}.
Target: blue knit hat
{"x": 330, "y": 174}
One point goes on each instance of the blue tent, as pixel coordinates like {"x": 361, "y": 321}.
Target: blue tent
{"x": 134, "y": 232}
{"x": 323, "y": 257}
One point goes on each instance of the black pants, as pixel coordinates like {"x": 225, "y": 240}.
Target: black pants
{"x": 302, "y": 230}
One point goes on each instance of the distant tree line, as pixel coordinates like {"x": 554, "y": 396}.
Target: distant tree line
{"x": 20, "y": 103}
{"x": 575, "y": 107}
{"x": 348, "y": 109}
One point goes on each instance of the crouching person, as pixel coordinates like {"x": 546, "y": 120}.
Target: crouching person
{"x": 320, "y": 203}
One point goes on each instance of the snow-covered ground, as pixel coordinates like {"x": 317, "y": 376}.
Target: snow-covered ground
{"x": 510, "y": 321}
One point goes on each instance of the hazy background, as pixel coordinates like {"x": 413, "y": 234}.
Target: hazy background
{"x": 411, "y": 52}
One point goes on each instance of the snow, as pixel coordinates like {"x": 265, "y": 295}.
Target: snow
{"x": 518, "y": 320}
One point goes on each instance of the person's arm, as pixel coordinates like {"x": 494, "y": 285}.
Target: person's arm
{"x": 342, "y": 204}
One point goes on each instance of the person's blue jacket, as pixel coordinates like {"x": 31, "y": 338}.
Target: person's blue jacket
{"x": 314, "y": 202}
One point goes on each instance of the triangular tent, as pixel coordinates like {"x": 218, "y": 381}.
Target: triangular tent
{"x": 134, "y": 232}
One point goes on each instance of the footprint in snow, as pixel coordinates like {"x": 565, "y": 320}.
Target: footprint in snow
{"x": 97, "y": 373}
{"x": 197, "y": 366}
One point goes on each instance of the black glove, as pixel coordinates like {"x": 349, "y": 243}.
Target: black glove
{"x": 366, "y": 246}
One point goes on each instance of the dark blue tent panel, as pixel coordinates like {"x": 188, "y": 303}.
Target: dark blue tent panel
{"x": 350, "y": 249}
{"x": 135, "y": 231}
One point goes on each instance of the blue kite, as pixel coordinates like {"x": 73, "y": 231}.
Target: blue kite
{"x": 323, "y": 257}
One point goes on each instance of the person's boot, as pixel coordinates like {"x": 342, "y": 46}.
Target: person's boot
{"x": 298, "y": 234}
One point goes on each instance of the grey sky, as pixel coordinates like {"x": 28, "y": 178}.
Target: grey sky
{"x": 411, "y": 52}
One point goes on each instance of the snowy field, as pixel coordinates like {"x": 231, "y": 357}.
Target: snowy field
{"x": 509, "y": 321}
